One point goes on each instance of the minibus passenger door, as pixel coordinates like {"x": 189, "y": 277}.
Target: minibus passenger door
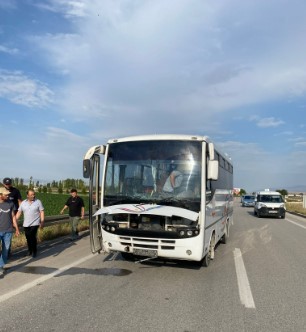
{"x": 95, "y": 205}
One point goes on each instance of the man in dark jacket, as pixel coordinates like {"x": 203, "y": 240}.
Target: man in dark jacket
{"x": 76, "y": 211}
{"x": 14, "y": 197}
{"x": 7, "y": 224}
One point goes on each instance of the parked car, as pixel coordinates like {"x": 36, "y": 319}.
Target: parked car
{"x": 248, "y": 200}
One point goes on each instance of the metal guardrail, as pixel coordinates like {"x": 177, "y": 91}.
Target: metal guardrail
{"x": 54, "y": 220}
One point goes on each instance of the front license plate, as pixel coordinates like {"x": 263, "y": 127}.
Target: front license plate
{"x": 272, "y": 211}
{"x": 145, "y": 252}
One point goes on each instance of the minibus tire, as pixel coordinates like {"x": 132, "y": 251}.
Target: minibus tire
{"x": 225, "y": 236}
{"x": 206, "y": 260}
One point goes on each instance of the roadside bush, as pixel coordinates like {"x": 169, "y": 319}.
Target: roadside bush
{"x": 296, "y": 207}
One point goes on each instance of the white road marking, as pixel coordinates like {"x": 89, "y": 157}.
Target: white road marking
{"x": 43, "y": 278}
{"x": 245, "y": 293}
{"x": 295, "y": 223}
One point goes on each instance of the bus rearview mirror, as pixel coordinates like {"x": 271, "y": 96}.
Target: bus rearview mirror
{"x": 86, "y": 168}
{"x": 213, "y": 170}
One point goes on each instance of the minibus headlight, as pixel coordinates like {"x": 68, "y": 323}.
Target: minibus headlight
{"x": 189, "y": 233}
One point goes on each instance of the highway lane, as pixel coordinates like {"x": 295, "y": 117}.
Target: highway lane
{"x": 67, "y": 288}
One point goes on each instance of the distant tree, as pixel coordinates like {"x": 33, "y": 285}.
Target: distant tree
{"x": 45, "y": 189}
{"x": 16, "y": 182}
{"x": 81, "y": 184}
{"x": 67, "y": 184}
{"x": 20, "y": 184}
{"x": 31, "y": 185}
{"x": 242, "y": 192}
{"x": 283, "y": 192}
{"x": 60, "y": 187}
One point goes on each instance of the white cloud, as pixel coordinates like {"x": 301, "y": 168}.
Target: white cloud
{"x": 269, "y": 122}
{"x": 256, "y": 168}
{"x": 72, "y": 8}
{"x": 266, "y": 122}
{"x": 59, "y": 134}
{"x": 134, "y": 67}
{"x": 297, "y": 139}
{"x": 54, "y": 154}
{"x": 285, "y": 133}
{"x": 301, "y": 144}
{"x": 166, "y": 57}
{"x": 22, "y": 90}
{"x": 8, "y": 4}
{"x": 11, "y": 51}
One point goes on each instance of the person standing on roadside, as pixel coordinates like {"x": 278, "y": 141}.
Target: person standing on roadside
{"x": 33, "y": 218}
{"x": 7, "y": 224}
{"x": 76, "y": 207}
{"x": 14, "y": 196}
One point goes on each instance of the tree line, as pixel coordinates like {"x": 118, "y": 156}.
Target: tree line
{"x": 60, "y": 187}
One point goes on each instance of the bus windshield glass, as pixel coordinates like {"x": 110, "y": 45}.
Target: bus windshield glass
{"x": 159, "y": 172}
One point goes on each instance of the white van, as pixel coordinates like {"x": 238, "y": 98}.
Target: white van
{"x": 269, "y": 204}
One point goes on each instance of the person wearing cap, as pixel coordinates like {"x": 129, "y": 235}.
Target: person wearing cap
{"x": 33, "y": 218}
{"x": 14, "y": 195}
{"x": 7, "y": 224}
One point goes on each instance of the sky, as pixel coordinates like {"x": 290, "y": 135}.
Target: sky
{"x": 75, "y": 73}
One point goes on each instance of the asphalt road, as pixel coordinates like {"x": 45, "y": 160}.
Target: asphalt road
{"x": 256, "y": 283}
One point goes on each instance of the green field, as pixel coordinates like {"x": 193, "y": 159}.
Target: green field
{"x": 53, "y": 203}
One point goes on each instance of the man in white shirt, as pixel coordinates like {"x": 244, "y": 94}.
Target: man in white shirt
{"x": 34, "y": 217}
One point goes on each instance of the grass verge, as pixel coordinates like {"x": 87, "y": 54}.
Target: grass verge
{"x": 296, "y": 207}
{"x": 49, "y": 233}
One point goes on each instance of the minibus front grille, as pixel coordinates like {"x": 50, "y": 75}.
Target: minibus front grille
{"x": 147, "y": 243}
